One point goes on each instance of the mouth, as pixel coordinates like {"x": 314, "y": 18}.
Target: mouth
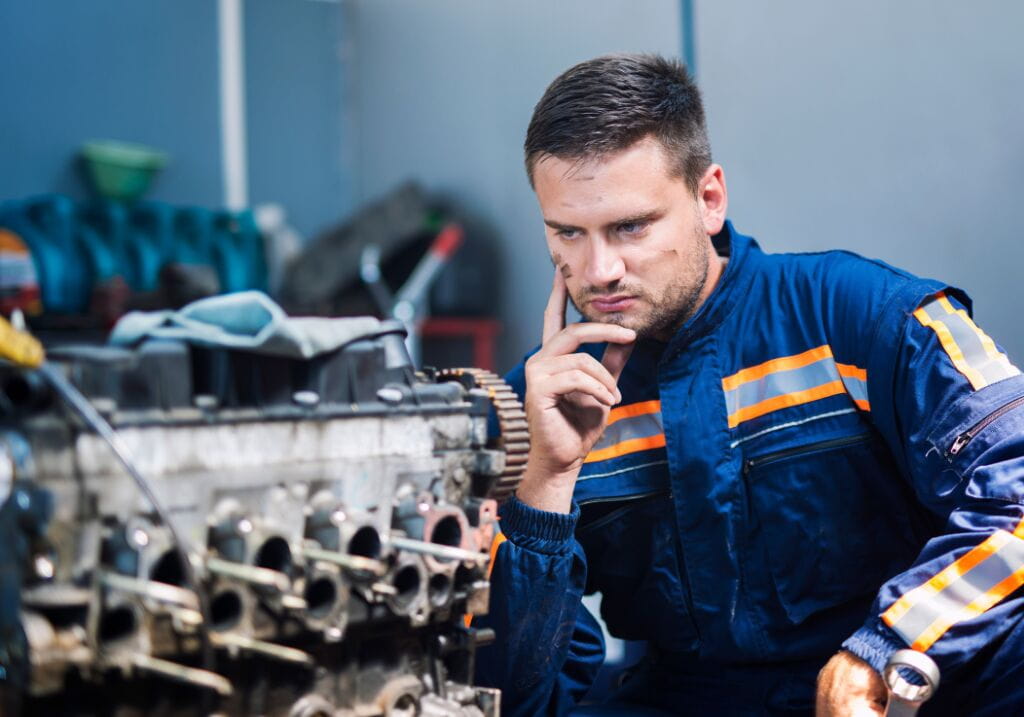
{"x": 612, "y": 304}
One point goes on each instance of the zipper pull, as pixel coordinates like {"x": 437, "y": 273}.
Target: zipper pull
{"x": 959, "y": 442}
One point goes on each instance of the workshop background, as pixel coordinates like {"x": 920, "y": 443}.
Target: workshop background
{"x": 893, "y": 130}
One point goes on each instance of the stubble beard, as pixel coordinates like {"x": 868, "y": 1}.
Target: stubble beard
{"x": 667, "y": 311}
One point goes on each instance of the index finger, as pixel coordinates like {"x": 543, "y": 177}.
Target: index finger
{"x": 554, "y": 313}
{"x": 615, "y": 358}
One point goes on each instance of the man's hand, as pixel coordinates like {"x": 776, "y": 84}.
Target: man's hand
{"x": 568, "y": 397}
{"x": 850, "y": 687}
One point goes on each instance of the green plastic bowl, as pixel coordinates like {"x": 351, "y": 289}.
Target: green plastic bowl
{"x": 120, "y": 170}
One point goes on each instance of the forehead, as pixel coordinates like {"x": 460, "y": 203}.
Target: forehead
{"x": 638, "y": 178}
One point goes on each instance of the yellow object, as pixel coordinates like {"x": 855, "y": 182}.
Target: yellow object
{"x": 19, "y": 347}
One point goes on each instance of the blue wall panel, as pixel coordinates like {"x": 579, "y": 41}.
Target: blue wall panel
{"x": 136, "y": 71}
{"x": 294, "y": 106}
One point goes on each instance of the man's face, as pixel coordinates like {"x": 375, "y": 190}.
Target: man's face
{"x": 630, "y": 239}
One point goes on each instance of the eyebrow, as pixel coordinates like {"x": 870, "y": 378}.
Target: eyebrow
{"x": 632, "y": 219}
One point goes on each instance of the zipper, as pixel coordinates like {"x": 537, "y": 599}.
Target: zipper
{"x": 684, "y": 578}
{"x": 623, "y": 498}
{"x": 617, "y": 513}
{"x": 752, "y": 463}
{"x": 964, "y": 438}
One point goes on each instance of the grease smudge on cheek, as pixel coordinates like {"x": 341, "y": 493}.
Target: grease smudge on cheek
{"x": 563, "y": 266}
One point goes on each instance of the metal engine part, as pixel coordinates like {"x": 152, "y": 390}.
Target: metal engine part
{"x": 338, "y": 511}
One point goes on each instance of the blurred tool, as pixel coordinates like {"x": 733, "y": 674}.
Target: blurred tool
{"x": 281, "y": 242}
{"x": 906, "y": 696}
{"x": 319, "y": 280}
{"x": 409, "y": 304}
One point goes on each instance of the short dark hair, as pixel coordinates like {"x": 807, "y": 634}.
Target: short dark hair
{"x": 606, "y": 104}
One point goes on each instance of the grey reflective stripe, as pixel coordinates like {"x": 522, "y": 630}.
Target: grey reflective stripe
{"x": 934, "y": 309}
{"x": 976, "y": 364}
{"x": 790, "y": 424}
{"x": 780, "y": 383}
{"x": 587, "y": 476}
{"x": 857, "y": 389}
{"x": 991, "y": 369}
{"x": 625, "y": 429}
{"x": 949, "y": 602}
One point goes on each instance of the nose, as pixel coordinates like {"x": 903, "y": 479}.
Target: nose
{"x": 604, "y": 263}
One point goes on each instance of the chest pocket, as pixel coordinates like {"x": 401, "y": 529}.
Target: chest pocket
{"x": 831, "y": 520}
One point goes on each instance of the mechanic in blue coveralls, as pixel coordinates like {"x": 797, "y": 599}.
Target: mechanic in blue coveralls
{"x": 777, "y": 469}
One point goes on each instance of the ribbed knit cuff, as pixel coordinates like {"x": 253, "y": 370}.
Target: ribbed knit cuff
{"x": 539, "y": 530}
{"x": 874, "y": 643}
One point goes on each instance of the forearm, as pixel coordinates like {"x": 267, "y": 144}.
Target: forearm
{"x": 542, "y": 659}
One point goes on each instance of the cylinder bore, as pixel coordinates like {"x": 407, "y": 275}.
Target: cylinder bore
{"x": 447, "y": 531}
{"x": 225, "y": 610}
{"x": 407, "y": 583}
{"x": 404, "y": 706}
{"x": 439, "y": 589}
{"x": 117, "y": 624}
{"x": 321, "y": 594}
{"x": 168, "y": 569}
{"x": 365, "y": 543}
{"x": 274, "y": 554}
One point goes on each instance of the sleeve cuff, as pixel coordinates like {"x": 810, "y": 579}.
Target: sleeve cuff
{"x": 539, "y": 530}
{"x": 874, "y": 643}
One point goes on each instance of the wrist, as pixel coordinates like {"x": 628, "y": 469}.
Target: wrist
{"x": 538, "y": 530}
{"x": 548, "y": 490}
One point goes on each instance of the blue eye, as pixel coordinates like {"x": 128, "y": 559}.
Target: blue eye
{"x": 632, "y": 227}
{"x": 567, "y": 233}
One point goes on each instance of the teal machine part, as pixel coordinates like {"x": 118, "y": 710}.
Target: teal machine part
{"x": 47, "y": 226}
{"x": 101, "y": 241}
{"x": 149, "y": 245}
{"x": 76, "y": 246}
{"x": 238, "y": 254}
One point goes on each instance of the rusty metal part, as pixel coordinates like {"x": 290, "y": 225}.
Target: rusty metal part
{"x": 514, "y": 437}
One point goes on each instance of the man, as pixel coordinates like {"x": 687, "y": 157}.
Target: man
{"x": 769, "y": 466}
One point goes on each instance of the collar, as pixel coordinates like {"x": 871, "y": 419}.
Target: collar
{"x": 731, "y": 288}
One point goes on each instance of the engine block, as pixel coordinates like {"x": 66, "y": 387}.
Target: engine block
{"x": 337, "y": 515}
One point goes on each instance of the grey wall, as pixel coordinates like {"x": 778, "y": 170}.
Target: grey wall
{"x": 294, "y": 90}
{"x": 443, "y": 91}
{"x": 148, "y": 72}
{"x": 142, "y": 72}
{"x": 893, "y": 129}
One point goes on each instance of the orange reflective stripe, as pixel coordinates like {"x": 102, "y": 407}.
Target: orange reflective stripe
{"x": 952, "y": 349}
{"x": 1019, "y": 532}
{"x": 633, "y": 409}
{"x": 862, "y": 403}
{"x": 633, "y": 445}
{"x": 987, "y": 343}
{"x": 499, "y": 538}
{"x": 938, "y": 628}
{"x": 787, "y": 400}
{"x": 779, "y": 364}
{"x": 953, "y": 572}
{"x": 852, "y": 371}
{"x": 944, "y": 303}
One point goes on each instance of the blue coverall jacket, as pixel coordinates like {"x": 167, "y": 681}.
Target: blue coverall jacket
{"x": 829, "y": 454}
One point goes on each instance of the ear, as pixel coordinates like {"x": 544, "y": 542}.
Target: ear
{"x": 712, "y": 199}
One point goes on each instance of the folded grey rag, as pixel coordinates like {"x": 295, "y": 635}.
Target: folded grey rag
{"x": 244, "y": 320}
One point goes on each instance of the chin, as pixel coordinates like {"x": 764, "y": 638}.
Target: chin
{"x": 619, "y": 319}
